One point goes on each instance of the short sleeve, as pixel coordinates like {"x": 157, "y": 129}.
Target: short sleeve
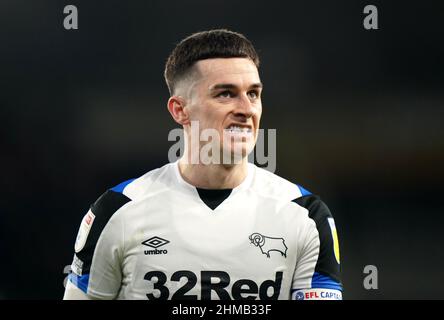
{"x": 96, "y": 267}
{"x": 318, "y": 271}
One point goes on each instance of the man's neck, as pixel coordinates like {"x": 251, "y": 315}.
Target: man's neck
{"x": 213, "y": 176}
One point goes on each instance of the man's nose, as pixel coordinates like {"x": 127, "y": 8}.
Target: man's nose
{"x": 244, "y": 107}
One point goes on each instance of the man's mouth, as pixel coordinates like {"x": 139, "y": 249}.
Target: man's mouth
{"x": 239, "y": 133}
{"x": 238, "y": 129}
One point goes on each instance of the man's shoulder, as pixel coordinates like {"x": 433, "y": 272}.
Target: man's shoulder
{"x": 275, "y": 186}
{"x": 151, "y": 182}
{"x": 132, "y": 190}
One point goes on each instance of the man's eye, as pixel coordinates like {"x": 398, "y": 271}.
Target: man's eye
{"x": 225, "y": 94}
{"x": 253, "y": 94}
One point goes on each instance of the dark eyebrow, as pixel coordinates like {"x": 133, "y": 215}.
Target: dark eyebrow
{"x": 258, "y": 85}
{"x": 227, "y": 86}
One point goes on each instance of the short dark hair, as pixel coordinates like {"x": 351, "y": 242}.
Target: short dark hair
{"x": 218, "y": 43}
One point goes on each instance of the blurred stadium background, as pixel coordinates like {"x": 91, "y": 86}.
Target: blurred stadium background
{"x": 359, "y": 118}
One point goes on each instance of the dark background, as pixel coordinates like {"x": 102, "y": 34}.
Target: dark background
{"x": 358, "y": 115}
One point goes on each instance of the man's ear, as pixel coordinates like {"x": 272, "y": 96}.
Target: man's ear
{"x": 176, "y": 107}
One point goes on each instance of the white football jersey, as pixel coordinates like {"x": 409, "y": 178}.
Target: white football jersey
{"x": 154, "y": 237}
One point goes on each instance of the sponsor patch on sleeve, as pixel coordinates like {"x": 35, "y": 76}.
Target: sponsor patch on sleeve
{"x": 84, "y": 229}
{"x": 334, "y": 235}
{"x": 77, "y": 265}
{"x": 316, "y": 294}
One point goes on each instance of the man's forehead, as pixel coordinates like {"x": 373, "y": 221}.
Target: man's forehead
{"x": 227, "y": 68}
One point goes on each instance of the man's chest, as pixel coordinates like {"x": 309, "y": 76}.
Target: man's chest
{"x": 237, "y": 251}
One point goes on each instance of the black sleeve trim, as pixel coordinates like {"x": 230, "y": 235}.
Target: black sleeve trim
{"x": 319, "y": 212}
{"x": 103, "y": 209}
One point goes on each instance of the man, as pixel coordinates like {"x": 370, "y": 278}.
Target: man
{"x": 215, "y": 229}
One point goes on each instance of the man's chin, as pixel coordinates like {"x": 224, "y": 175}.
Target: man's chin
{"x": 236, "y": 155}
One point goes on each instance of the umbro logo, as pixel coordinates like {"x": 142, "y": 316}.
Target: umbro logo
{"x": 155, "y": 242}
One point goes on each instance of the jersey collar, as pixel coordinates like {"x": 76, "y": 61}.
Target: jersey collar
{"x": 189, "y": 188}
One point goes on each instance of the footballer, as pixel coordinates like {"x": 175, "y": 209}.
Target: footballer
{"x": 209, "y": 230}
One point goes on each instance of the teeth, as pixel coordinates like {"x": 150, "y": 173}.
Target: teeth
{"x": 236, "y": 129}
